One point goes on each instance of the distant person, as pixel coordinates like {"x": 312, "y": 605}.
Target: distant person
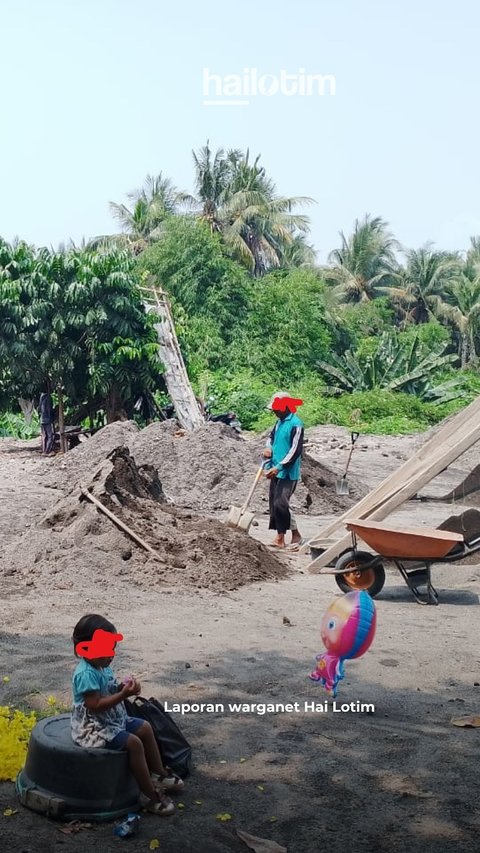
{"x": 285, "y": 452}
{"x": 47, "y": 421}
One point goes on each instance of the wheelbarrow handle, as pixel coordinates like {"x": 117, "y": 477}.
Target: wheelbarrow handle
{"x": 354, "y": 436}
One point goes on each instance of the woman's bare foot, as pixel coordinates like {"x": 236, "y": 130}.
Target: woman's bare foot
{"x": 296, "y": 542}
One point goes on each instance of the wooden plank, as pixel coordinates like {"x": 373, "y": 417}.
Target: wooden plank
{"x": 121, "y": 524}
{"x": 393, "y": 482}
{"x": 175, "y": 373}
{"x": 452, "y": 448}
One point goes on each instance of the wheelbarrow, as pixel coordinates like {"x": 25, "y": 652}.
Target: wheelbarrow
{"x": 412, "y": 551}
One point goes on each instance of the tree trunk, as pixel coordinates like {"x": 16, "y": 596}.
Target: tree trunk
{"x": 114, "y": 407}
{"x": 27, "y": 407}
{"x": 61, "y": 421}
{"x": 175, "y": 374}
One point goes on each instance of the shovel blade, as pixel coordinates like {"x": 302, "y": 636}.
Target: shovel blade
{"x": 233, "y": 516}
{"x": 341, "y": 487}
{"x": 237, "y": 518}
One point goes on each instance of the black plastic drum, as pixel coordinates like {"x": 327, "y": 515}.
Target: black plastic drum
{"x": 66, "y": 781}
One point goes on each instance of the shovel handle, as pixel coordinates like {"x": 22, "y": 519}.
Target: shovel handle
{"x": 353, "y": 436}
{"x": 250, "y": 494}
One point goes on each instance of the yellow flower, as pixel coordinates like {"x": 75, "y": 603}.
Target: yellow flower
{"x": 224, "y": 817}
{"x": 9, "y": 812}
{"x": 52, "y": 701}
{"x": 15, "y": 728}
{"x": 154, "y": 844}
{"x": 6, "y": 679}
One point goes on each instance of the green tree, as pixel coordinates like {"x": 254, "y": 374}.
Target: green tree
{"x": 287, "y": 329}
{"x": 460, "y": 309}
{"x": 422, "y": 283}
{"x": 211, "y": 294}
{"x": 258, "y": 226}
{"x": 213, "y": 181}
{"x": 149, "y": 208}
{"x": 365, "y": 264}
{"x": 16, "y": 261}
{"x": 80, "y": 325}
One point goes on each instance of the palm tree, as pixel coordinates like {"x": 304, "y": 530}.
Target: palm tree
{"x": 365, "y": 265}
{"x": 299, "y": 253}
{"x": 213, "y": 181}
{"x": 472, "y": 261}
{"x": 238, "y": 200}
{"x": 461, "y": 309}
{"x": 260, "y": 225}
{"x": 150, "y": 206}
{"x": 422, "y": 284}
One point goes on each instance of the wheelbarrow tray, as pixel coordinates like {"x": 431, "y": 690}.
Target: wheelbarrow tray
{"x": 407, "y": 543}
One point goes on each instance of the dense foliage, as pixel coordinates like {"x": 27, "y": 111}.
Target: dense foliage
{"x": 382, "y": 337}
{"x": 74, "y": 322}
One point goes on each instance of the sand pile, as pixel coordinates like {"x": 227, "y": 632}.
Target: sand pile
{"x": 75, "y": 543}
{"x": 207, "y": 470}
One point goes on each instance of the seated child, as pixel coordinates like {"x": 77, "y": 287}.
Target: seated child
{"x": 99, "y": 719}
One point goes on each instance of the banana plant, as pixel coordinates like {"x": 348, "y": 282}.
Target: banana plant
{"x": 394, "y": 366}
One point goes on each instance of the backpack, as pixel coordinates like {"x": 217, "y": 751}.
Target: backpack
{"x": 174, "y": 748}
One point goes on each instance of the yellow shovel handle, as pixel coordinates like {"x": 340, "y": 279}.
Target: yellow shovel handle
{"x": 250, "y": 494}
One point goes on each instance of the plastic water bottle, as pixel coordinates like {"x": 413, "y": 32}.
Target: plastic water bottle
{"x": 129, "y": 827}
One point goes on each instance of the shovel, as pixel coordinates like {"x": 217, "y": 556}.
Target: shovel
{"x": 238, "y": 515}
{"x": 341, "y": 486}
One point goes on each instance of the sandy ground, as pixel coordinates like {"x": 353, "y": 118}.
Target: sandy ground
{"x": 399, "y": 779}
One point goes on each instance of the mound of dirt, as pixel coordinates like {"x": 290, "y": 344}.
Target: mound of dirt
{"x": 207, "y": 470}
{"x": 78, "y": 542}
{"x": 80, "y": 464}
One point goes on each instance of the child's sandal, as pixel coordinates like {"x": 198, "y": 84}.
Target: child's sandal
{"x": 163, "y": 807}
{"x": 171, "y": 783}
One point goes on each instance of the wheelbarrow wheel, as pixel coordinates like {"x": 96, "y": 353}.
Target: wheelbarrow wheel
{"x": 354, "y": 578}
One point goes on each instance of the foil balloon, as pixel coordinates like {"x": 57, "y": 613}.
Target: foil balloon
{"x": 347, "y": 631}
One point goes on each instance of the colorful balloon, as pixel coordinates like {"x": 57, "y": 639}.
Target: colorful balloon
{"x": 347, "y": 631}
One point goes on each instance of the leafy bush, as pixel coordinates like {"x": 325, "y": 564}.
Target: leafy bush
{"x": 378, "y": 412}
{"x": 14, "y": 426}
{"x": 288, "y": 327}
{"x": 15, "y": 729}
{"x": 366, "y": 320}
{"x": 396, "y": 365}
{"x": 241, "y": 392}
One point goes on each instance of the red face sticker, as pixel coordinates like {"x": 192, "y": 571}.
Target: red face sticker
{"x": 280, "y": 404}
{"x": 102, "y": 645}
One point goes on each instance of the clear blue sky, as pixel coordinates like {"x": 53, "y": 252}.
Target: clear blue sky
{"x": 97, "y": 93}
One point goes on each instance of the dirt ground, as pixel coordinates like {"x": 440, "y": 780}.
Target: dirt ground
{"x": 399, "y": 779}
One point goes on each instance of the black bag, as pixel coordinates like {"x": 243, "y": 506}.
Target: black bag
{"x": 175, "y": 750}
